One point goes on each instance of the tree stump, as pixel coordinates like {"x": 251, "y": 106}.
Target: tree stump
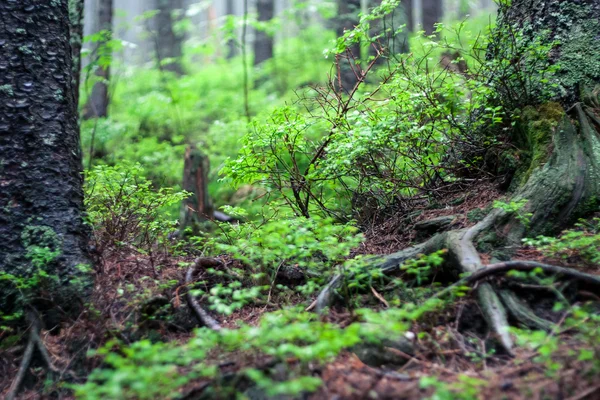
{"x": 197, "y": 208}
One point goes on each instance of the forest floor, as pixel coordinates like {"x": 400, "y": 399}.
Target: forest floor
{"x": 450, "y": 346}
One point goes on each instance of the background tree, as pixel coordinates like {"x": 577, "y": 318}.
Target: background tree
{"x": 432, "y": 13}
{"x": 346, "y": 20}
{"x": 263, "y": 40}
{"x": 167, "y": 42}
{"x": 97, "y": 106}
{"x": 41, "y": 197}
{"x": 231, "y": 45}
{"x": 76, "y": 19}
{"x": 393, "y": 41}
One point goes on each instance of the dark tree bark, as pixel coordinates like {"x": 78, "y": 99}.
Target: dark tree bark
{"x": 464, "y": 8}
{"x": 41, "y": 196}
{"x": 97, "y": 106}
{"x": 432, "y": 11}
{"x": 168, "y": 43}
{"x": 346, "y": 20}
{"x": 263, "y": 40}
{"x": 76, "y": 19}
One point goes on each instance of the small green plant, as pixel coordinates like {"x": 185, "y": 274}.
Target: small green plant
{"x": 550, "y": 350}
{"x": 516, "y": 208}
{"x": 466, "y": 388}
{"x": 424, "y": 266}
{"x": 583, "y": 242}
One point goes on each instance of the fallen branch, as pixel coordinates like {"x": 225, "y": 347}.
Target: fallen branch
{"x": 202, "y": 315}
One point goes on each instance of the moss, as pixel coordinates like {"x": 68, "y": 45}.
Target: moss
{"x": 40, "y": 235}
{"x": 538, "y": 126}
{"x": 7, "y": 89}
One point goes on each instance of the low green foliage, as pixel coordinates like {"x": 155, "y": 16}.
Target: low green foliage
{"x": 292, "y": 339}
{"x": 550, "y": 349}
{"x": 465, "y": 388}
{"x": 583, "y": 243}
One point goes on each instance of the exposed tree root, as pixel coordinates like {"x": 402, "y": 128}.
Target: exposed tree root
{"x": 521, "y": 312}
{"x": 203, "y": 316}
{"x": 23, "y": 368}
{"x": 34, "y": 342}
{"x": 462, "y": 254}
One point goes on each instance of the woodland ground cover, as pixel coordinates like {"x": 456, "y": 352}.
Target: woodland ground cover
{"x": 323, "y": 180}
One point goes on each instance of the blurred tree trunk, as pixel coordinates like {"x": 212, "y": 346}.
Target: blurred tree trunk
{"x": 263, "y": 41}
{"x": 76, "y": 26}
{"x": 432, "y": 11}
{"x": 41, "y": 200}
{"x": 197, "y": 208}
{"x": 168, "y": 43}
{"x": 393, "y": 42}
{"x": 346, "y": 20}
{"x": 97, "y": 106}
{"x": 231, "y": 47}
{"x": 464, "y": 8}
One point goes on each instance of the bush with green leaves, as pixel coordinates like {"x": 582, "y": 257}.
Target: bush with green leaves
{"x": 432, "y": 117}
{"x": 125, "y": 211}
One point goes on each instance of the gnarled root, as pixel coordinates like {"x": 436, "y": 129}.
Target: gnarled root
{"x": 202, "y": 315}
{"x": 463, "y": 255}
{"x": 34, "y": 342}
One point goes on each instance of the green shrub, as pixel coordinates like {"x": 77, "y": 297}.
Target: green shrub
{"x": 125, "y": 211}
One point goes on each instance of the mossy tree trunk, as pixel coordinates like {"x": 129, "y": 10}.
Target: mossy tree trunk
{"x": 231, "y": 45}
{"x": 41, "y": 196}
{"x": 432, "y": 11}
{"x": 197, "y": 208}
{"x": 393, "y": 41}
{"x": 348, "y": 69}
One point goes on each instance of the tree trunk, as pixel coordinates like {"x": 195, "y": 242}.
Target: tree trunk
{"x": 41, "y": 199}
{"x": 392, "y": 42}
{"x": 347, "y": 19}
{"x": 407, "y": 6}
{"x": 97, "y": 106}
{"x": 168, "y": 43}
{"x": 197, "y": 208}
{"x": 432, "y": 11}
{"x": 231, "y": 46}
{"x": 263, "y": 41}
{"x": 76, "y": 23}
